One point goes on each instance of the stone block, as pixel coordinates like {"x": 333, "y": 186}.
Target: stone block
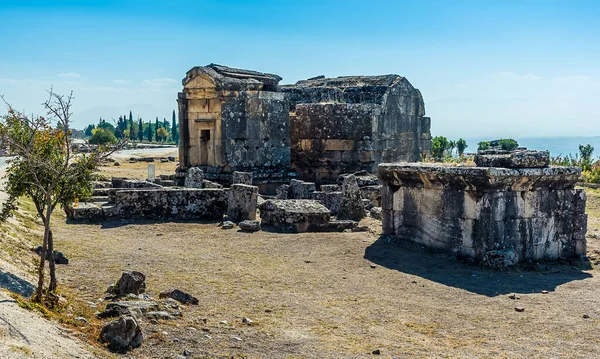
{"x": 242, "y": 202}
{"x": 295, "y": 215}
{"x": 331, "y": 200}
{"x": 194, "y": 178}
{"x": 351, "y": 206}
{"x": 301, "y": 190}
{"x": 242, "y": 178}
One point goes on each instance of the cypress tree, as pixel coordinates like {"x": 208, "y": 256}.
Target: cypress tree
{"x": 149, "y": 131}
{"x": 156, "y": 129}
{"x": 140, "y": 130}
{"x": 174, "y": 132}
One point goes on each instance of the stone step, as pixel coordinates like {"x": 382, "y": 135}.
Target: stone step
{"x": 167, "y": 177}
{"x": 103, "y": 199}
{"x": 167, "y": 183}
{"x": 101, "y": 191}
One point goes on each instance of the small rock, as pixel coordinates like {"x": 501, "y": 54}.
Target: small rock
{"x": 376, "y": 352}
{"x": 228, "y": 225}
{"x": 116, "y": 164}
{"x": 519, "y": 309}
{"x": 237, "y": 339}
{"x": 307, "y": 261}
{"x": 224, "y": 322}
{"x": 513, "y": 296}
{"x": 373, "y": 266}
{"x": 186, "y": 353}
{"x": 179, "y": 296}
{"x": 207, "y": 336}
{"x": 544, "y": 292}
{"x": 159, "y": 315}
{"x": 249, "y": 226}
{"x": 585, "y": 316}
{"x": 268, "y": 311}
{"x": 176, "y": 340}
{"x": 247, "y": 321}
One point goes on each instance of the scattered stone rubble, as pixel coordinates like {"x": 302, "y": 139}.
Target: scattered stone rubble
{"x": 125, "y": 333}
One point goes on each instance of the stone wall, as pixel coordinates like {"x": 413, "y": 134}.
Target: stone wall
{"x": 171, "y": 203}
{"x": 534, "y": 212}
{"x": 353, "y": 123}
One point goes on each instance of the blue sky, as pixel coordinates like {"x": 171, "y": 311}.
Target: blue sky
{"x": 485, "y": 68}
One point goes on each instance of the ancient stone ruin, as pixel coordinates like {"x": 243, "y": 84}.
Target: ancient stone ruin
{"x": 498, "y": 215}
{"x": 241, "y": 120}
{"x": 234, "y": 120}
{"x": 353, "y": 123}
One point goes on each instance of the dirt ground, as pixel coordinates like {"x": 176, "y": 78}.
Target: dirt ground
{"x": 337, "y": 295}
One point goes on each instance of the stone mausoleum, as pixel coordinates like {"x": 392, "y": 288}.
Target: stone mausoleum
{"x": 512, "y": 207}
{"x": 234, "y": 120}
{"x": 240, "y": 120}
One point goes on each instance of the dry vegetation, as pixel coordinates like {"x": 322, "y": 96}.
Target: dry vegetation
{"x": 332, "y": 295}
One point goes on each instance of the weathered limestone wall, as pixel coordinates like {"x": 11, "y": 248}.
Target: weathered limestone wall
{"x": 168, "y": 203}
{"x": 349, "y": 124}
{"x": 535, "y": 212}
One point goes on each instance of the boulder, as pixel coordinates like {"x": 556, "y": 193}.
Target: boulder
{"x": 122, "y": 334}
{"x": 377, "y": 213}
{"x": 249, "y": 226}
{"x": 194, "y": 178}
{"x": 130, "y": 282}
{"x": 500, "y": 259}
{"x": 227, "y": 225}
{"x": 181, "y": 297}
{"x": 351, "y": 206}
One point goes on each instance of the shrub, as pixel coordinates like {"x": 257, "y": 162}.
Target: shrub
{"x": 508, "y": 144}
{"x": 483, "y": 145}
{"x": 102, "y": 136}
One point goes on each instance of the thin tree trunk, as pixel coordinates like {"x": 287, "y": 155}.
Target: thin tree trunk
{"x": 40, "y": 287}
{"x": 51, "y": 263}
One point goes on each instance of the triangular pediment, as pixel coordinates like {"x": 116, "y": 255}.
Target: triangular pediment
{"x": 200, "y": 81}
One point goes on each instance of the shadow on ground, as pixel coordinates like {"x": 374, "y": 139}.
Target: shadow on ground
{"x": 446, "y": 269}
{"x": 16, "y": 285}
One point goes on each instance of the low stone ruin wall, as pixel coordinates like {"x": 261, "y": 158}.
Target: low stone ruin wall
{"x": 533, "y": 213}
{"x": 171, "y": 203}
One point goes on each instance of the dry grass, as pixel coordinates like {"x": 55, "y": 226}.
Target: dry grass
{"x": 137, "y": 170}
{"x": 315, "y": 295}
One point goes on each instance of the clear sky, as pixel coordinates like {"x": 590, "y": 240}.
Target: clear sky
{"x": 486, "y": 68}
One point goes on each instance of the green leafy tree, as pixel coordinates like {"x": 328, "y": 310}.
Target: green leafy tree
{"x": 88, "y": 130}
{"x": 162, "y": 134}
{"x": 508, "y": 144}
{"x": 103, "y": 136}
{"x": 43, "y": 169}
{"x": 106, "y": 125}
{"x": 461, "y": 145}
{"x": 483, "y": 145}
{"x": 174, "y": 129}
{"x": 439, "y": 145}
{"x": 451, "y": 147}
{"x": 586, "y": 152}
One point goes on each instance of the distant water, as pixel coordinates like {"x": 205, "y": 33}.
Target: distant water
{"x": 556, "y": 145}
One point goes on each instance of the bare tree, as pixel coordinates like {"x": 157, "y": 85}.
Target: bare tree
{"x": 46, "y": 170}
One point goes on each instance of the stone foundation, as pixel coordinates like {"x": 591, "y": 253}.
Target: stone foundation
{"x": 534, "y": 212}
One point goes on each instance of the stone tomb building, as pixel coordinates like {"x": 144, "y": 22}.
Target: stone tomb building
{"x": 240, "y": 120}
{"x": 353, "y": 123}
{"x": 234, "y": 120}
